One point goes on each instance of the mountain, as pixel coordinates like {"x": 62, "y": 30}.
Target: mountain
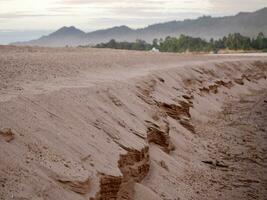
{"x": 246, "y": 23}
{"x": 64, "y": 36}
{"x": 67, "y": 32}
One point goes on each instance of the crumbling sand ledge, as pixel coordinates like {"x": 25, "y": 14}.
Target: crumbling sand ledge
{"x": 82, "y": 132}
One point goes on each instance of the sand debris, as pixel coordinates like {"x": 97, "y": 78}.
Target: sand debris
{"x": 7, "y": 134}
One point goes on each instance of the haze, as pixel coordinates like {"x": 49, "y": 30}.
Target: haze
{"x": 29, "y": 19}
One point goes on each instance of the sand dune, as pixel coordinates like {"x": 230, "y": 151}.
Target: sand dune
{"x": 106, "y": 124}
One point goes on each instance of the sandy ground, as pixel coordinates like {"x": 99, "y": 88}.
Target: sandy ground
{"x": 106, "y": 124}
{"x": 236, "y": 142}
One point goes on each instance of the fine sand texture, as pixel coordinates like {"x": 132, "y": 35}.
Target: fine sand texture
{"x": 101, "y": 124}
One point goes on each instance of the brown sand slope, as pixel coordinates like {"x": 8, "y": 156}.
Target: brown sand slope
{"x": 105, "y": 124}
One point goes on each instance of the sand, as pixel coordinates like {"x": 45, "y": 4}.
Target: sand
{"x": 107, "y": 124}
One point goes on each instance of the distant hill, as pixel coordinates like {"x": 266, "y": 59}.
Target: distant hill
{"x": 64, "y": 36}
{"x": 246, "y": 23}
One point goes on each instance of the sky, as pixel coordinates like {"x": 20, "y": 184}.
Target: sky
{"x": 22, "y": 20}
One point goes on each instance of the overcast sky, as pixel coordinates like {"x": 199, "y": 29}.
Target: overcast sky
{"x": 31, "y": 18}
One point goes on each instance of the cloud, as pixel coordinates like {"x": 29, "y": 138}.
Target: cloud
{"x": 134, "y": 9}
{"x": 106, "y": 13}
{"x": 16, "y": 15}
{"x": 137, "y": 4}
{"x": 87, "y": 8}
{"x": 226, "y": 7}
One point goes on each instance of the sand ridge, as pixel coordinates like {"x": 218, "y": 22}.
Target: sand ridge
{"x": 103, "y": 124}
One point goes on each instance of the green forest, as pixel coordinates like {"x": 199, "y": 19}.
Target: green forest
{"x": 138, "y": 45}
{"x": 185, "y": 43}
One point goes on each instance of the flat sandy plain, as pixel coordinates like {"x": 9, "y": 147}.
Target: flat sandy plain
{"x": 94, "y": 124}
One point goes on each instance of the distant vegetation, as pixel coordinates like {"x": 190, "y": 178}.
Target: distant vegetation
{"x": 140, "y": 45}
{"x": 185, "y": 43}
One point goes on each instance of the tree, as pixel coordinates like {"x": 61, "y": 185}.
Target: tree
{"x": 260, "y": 41}
{"x": 155, "y": 43}
{"x": 184, "y": 43}
{"x": 111, "y": 44}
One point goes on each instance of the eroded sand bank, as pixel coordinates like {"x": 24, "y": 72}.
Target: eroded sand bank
{"x": 105, "y": 124}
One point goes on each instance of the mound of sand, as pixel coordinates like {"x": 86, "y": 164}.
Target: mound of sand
{"x": 106, "y": 124}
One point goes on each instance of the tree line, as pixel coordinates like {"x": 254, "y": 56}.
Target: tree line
{"x": 140, "y": 45}
{"x": 185, "y": 43}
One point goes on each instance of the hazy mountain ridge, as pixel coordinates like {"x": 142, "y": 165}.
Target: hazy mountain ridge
{"x": 246, "y": 23}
